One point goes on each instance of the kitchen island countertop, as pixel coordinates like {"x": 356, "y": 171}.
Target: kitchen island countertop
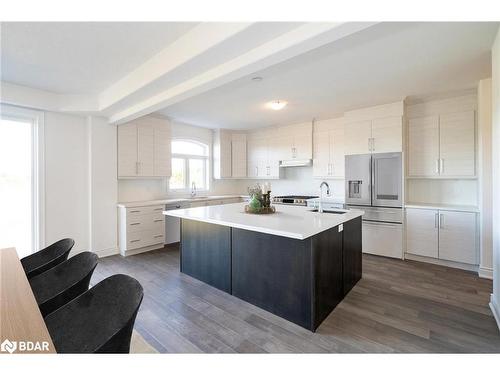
{"x": 296, "y": 222}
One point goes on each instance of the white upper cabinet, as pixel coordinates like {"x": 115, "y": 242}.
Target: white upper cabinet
{"x": 263, "y": 153}
{"x": 442, "y": 145}
{"x": 230, "y": 154}
{"x": 222, "y": 150}
{"x": 127, "y": 150}
{"x": 423, "y": 146}
{"x": 376, "y": 129}
{"x": 238, "y": 155}
{"x": 328, "y": 149}
{"x": 144, "y": 148}
{"x": 162, "y": 149}
{"x": 387, "y": 134}
{"x": 358, "y": 137}
{"x": 295, "y": 142}
{"x": 457, "y": 144}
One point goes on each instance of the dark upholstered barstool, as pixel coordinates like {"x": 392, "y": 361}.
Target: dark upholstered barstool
{"x": 64, "y": 282}
{"x": 47, "y": 258}
{"x": 100, "y": 320}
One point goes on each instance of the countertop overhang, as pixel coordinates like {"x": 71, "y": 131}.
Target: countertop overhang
{"x": 296, "y": 222}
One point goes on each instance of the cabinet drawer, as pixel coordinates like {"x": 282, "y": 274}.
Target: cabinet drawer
{"x": 144, "y": 224}
{"x": 146, "y": 210}
{"x": 383, "y": 239}
{"x": 145, "y": 238}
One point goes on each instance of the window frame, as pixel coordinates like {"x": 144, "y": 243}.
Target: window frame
{"x": 186, "y": 157}
{"x": 37, "y": 167}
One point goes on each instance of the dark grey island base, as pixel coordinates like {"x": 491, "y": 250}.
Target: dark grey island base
{"x": 299, "y": 280}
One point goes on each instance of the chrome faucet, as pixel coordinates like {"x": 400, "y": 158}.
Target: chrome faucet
{"x": 193, "y": 190}
{"x": 320, "y": 205}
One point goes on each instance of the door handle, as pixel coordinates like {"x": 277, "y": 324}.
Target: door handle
{"x": 373, "y": 144}
{"x": 369, "y": 144}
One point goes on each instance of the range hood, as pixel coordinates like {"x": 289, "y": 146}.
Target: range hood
{"x": 296, "y": 163}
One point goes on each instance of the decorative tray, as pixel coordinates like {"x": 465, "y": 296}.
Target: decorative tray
{"x": 260, "y": 211}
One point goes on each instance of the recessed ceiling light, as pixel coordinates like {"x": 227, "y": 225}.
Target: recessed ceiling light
{"x": 257, "y": 79}
{"x": 277, "y": 104}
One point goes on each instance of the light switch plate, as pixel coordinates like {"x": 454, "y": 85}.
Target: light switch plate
{"x": 341, "y": 227}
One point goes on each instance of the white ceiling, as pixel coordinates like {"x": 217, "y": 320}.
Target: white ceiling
{"x": 80, "y": 57}
{"x": 386, "y": 62}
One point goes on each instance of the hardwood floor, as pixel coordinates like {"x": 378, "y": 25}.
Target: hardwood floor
{"x": 398, "y": 306}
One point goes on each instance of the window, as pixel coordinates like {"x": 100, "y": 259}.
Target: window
{"x": 21, "y": 179}
{"x": 189, "y": 165}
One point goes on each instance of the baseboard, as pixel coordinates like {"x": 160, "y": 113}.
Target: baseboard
{"x": 107, "y": 252}
{"x": 142, "y": 250}
{"x": 486, "y": 273}
{"x": 495, "y": 310}
{"x": 440, "y": 262}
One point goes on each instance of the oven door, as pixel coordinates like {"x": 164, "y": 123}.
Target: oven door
{"x": 387, "y": 180}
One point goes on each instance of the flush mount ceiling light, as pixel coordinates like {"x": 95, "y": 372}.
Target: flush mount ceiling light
{"x": 277, "y": 104}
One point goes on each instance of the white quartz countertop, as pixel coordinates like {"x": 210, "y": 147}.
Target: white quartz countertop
{"x": 439, "y": 206}
{"x": 289, "y": 221}
{"x": 176, "y": 200}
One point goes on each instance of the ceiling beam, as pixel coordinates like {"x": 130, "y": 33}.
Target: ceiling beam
{"x": 283, "y": 47}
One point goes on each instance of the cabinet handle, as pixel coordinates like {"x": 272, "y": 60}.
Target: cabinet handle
{"x": 158, "y": 236}
{"x": 436, "y": 220}
{"x": 441, "y": 221}
{"x": 369, "y": 144}
{"x": 373, "y": 144}
{"x": 158, "y": 220}
{"x": 178, "y": 206}
{"x": 135, "y": 211}
{"x": 135, "y": 241}
{"x": 437, "y": 166}
{"x": 134, "y": 223}
{"x": 441, "y": 165}
{"x": 256, "y": 171}
{"x": 158, "y": 209}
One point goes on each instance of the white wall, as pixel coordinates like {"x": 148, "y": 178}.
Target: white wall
{"x": 103, "y": 187}
{"x": 495, "y": 300}
{"x": 300, "y": 181}
{"x": 484, "y": 173}
{"x": 80, "y": 182}
{"x": 66, "y": 179}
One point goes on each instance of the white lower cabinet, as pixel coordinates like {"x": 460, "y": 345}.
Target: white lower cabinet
{"x": 385, "y": 239}
{"x": 422, "y": 232}
{"x": 442, "y": 234}
{"x": 141, "y": 229}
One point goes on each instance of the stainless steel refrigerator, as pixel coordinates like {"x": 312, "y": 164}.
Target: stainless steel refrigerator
{"x": 373, "y": 183}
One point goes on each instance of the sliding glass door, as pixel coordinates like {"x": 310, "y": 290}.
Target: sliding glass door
{"x": 19, "y": 181}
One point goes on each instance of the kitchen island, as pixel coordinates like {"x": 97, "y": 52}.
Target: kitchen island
{"x": 296, "y": 263}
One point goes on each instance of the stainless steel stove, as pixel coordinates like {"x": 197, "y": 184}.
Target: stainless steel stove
{"x": 295, "y": 200}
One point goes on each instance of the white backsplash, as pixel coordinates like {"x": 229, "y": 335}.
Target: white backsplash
{"x": 300, "y": 181}
{"x": 460, "y": 192}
